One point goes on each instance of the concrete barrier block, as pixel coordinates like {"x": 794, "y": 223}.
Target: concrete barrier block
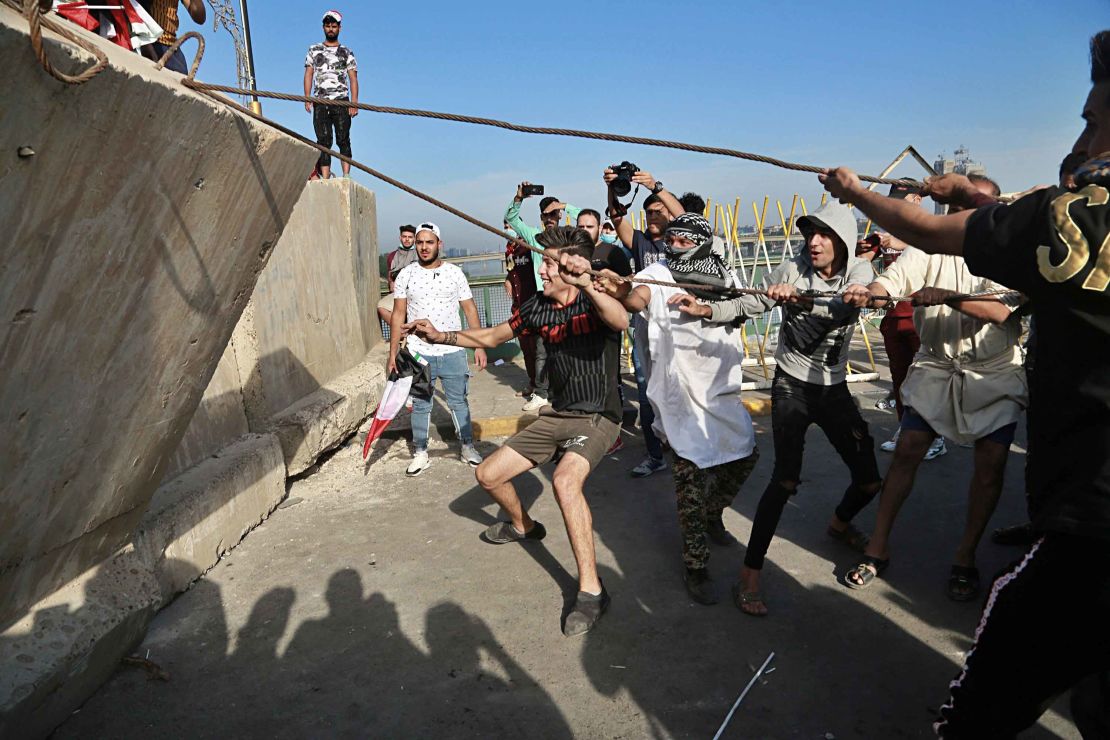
{"x": 202, "y": 513}
{"x": 307, "y": 311}
{"x": 322, "y": 420}
{"x": 132, "y": 240}
{"x": 218, "y": 421}
{"x": 70, "y": 642}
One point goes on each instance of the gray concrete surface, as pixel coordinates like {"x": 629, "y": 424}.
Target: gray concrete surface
{"x": 326, "y": 417}
{"x": 123, "y": 270}
{"x": 204, "y": 512}
{"x": 368, "y": 607}
{"x": 314, "y": 308}
{"x": 298, "y": 361}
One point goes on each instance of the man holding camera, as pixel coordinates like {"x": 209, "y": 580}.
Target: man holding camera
{"x": 647, "y": 248}
{"x": 551, "y": 214}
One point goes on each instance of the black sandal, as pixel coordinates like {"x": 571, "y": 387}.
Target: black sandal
{"x": 963, "y": 583}
{"x": 866, "y": 570}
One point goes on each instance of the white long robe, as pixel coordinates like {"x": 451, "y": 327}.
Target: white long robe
{"x": 694, "y": 386}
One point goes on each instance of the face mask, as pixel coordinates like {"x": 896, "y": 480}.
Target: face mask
{"x": 609, "y": 238}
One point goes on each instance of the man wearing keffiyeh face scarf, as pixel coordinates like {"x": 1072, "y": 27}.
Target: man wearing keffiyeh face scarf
{"x": 694, "y": 388}
{"x": 691, "y": 258}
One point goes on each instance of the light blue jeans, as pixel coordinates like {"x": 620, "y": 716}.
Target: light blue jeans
{"x": 451, "y": 369}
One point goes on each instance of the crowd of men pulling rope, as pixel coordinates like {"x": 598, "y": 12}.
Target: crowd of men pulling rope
{"x": 1048, "y": 251}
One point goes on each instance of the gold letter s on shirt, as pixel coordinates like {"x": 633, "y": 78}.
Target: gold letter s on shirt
{"x": 1079, "y": 251}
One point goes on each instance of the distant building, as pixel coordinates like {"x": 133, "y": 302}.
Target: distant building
{"x": 961, "y": 164}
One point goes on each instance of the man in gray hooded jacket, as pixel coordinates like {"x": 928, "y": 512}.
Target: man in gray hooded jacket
{"x": 810, "y": 386}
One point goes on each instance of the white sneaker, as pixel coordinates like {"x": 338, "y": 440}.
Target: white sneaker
{"x": 470, "y": 455}
{"x": 419, "y": 464}
{"x": 891, "y": 443}
{"x": 936, "y": 449}
{"x": 535, "y": 402}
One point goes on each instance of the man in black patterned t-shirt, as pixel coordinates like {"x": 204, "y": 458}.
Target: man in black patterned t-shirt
{"x": 1044, "y": 626}
{"x": 581, "y": 327}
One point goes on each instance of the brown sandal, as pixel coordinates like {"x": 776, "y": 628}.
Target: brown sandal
{"x": 744, "y": 599}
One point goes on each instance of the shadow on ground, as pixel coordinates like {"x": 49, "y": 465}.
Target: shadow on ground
{"x": 373, "y": 609}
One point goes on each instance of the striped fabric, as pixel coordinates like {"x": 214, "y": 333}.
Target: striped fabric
{"x": 583, "y": 354}
{"x": 164, "y": 13}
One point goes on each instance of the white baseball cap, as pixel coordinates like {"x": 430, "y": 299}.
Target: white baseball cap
{"x": 334, "y": 14}
{"x": 428, "y": 226}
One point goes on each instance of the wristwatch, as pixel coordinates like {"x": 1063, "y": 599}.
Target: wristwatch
{"x": 658, "y": 187}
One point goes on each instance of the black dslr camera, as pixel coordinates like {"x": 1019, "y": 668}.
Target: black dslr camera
{"x": 623, "y": 184}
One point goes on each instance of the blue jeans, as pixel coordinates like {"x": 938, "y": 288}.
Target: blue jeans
{"x": 647, "y": 414}
{"x": 451, "y": 370}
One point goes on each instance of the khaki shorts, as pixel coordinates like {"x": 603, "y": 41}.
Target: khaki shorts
{"x": 386, "y": 303}
{"x": 556, "y": 433}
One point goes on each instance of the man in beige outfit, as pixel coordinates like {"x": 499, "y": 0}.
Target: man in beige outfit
{"x": 966, "y": 383}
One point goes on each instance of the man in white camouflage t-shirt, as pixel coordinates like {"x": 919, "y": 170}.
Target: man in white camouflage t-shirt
{"x": 330, "y": 71}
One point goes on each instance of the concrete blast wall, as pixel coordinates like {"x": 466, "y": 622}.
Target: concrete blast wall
{"x": 151, "y": 408}
{"x": 304, "y": 338}
{"x": 297, "y": 379}
{"x": 132, "y": 240}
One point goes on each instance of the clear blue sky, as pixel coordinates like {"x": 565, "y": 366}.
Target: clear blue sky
{"x": 818, "y": 83}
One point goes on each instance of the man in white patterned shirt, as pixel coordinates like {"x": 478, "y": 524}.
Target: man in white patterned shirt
{"x": 433, "y": 289}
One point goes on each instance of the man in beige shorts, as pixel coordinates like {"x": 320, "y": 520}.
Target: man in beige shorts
{"x": 581, "y": 327}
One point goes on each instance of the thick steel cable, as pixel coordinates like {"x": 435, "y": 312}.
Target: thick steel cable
{"x": 451, "y": 209}
{"x": 32, "y": 11}
{"x": 733, "y": 292}
{"x": 176, "y": 45}
{"x": 540, "y": 130}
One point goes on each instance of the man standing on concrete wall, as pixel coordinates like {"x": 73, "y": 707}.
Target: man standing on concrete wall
{"x": 433, "y": 289}
{"x": 331, "y": 69}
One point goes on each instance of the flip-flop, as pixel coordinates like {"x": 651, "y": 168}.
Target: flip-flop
{"x": 963, "y": 583}
{"x": 743, "y": 598}
{"x": 867, "y": 570}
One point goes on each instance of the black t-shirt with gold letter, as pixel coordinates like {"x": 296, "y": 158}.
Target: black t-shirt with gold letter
{"x": 1054, "y": 246}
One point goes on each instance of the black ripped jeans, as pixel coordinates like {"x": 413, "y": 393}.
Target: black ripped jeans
{"x": 324, "y": 119}
{"x": 795, "y": 404}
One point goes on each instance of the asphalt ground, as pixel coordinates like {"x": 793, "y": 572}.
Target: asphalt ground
{"x": 367, "y": 606}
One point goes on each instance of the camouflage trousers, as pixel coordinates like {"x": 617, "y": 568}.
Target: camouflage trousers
{"x": 703, "y": 494}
